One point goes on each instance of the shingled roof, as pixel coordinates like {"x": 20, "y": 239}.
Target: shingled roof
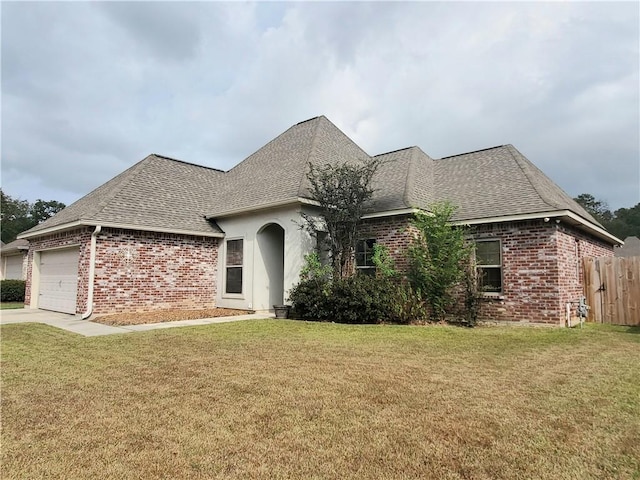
{"x": 163, "y": 194}
{"x": 157, "y": 194}
{"x": 499, "y": 182}
{"x": 277, "y": 172}
{"x": 16, "y": 246}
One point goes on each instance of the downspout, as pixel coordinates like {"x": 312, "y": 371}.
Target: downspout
{"x": 92, "y": 271}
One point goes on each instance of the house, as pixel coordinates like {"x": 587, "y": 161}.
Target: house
{"x": 169, "y": 234}
{"x": 13, "y": 260}
{"x": 631, "y": 248}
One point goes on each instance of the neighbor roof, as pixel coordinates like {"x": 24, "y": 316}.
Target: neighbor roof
{"x": 164, "y": 194}
{"x": 631, "y": 248}
{"x": 157, "y": 193}
{"x": 16, "y": 246}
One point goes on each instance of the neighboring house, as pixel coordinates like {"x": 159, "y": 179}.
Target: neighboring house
{"x": 13, "y": 260}
{"x": 631, "y": 248}
{"x": 169, "y": 234}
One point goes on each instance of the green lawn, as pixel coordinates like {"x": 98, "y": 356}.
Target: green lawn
{"x": 11, "y": 305}
{"x": 286, "y": 399}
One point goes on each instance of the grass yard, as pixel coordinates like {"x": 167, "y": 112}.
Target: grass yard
{"x": 286, "y": 399}
{"x": 11, "y": 305}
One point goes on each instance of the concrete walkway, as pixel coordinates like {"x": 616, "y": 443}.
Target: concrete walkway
{"x": 75, "y": 324}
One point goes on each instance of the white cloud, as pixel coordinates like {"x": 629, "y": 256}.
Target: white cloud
{"x": 89, "y": 89}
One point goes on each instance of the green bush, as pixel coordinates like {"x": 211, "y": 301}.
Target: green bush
{"x": 12, "y": 290}
{"x": 359, "y": 299}
{"x": 356, "y": 299}
{"x": 309, "y": 299}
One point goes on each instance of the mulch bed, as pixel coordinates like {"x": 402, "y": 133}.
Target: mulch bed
{"x": 160, "y": 316}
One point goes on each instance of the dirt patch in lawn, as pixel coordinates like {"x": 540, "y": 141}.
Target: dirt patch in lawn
{"x": 160, "y": 316}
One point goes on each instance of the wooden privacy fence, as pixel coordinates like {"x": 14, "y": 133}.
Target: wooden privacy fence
{"x": 612, "y": 288}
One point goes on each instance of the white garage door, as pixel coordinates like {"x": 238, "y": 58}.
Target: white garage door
{"x": 13, "y": 267}
{"x": 59, "y": 280}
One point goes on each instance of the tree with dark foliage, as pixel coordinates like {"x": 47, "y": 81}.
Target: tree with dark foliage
{"x": 342, "y": 192}
{"x": 623, "y": 223}
{"x": 17, "y": 215}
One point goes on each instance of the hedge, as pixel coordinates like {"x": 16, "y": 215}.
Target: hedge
{"x": 12, "y": 290}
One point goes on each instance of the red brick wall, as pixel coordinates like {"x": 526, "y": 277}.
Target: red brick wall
{"x": 541, "y": 265}
{"x": 394, "y": 233}
{"x": 573, "y": 246}
{"x": 164, "y": 270}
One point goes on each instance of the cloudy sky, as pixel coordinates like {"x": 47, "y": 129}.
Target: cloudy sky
{"x": 89, "y": 89}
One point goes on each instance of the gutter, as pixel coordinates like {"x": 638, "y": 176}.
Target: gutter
{"x": 92, "y": 272}
{"x": 124, "y": 226}
{"x": 565, "y": 215}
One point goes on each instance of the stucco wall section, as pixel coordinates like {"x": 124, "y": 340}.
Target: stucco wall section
{"x": 79, "y": 237}
{"x": 145, "y": 271}
{"x": 256, "y": 277}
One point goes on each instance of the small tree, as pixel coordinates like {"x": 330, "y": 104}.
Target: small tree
{"x": 439, "y": 257}
{"x": 342, "y": 192}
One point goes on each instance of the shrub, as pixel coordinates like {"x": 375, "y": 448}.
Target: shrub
{"x": 359, "y": 299}
{"x": 310, "y": 299}
{"x": 438, "y": 256}
{"x": 12, "y": 290}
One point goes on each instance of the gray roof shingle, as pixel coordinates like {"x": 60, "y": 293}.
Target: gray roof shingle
{"x": 156, "y": 193}
{"x": 164, "y": 194}
{"x": 278, "y": 171}
{"x": 15, "y": 246}
{"x": 498, "y": 182}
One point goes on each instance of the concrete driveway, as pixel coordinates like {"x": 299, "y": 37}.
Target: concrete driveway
{"x": 73, "y": 323}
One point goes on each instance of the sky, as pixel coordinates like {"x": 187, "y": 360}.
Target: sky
{"x": 91, "y": 88}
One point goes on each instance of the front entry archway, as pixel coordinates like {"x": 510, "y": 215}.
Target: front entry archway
{"x": 269, "y": 272}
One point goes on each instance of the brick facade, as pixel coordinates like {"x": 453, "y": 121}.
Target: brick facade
{"x": 541, "y": 265}
{"x": 541, "y": 270}
{"x": 143, "y": 271}
{"x": 392, "y": 232}
{"x": 80, "y": 238}
{"x": 140, "y": 271}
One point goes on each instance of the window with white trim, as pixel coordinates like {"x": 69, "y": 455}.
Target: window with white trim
{"x": 234, "y": 257}
{"x": 364, "y": 256}
{"x": 489, "y": 264}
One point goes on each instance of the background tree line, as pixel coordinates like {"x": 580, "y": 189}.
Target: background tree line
{"x": 624, "y": 222}
{"x": 17, "y": 215}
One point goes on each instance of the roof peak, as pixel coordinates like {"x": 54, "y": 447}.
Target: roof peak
{"x": 474, "y": 151}
{"x": 396, "y": 151}
{"x": 164, "y": 157}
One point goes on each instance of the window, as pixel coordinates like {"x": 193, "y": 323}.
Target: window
{"x": 323, "y": 247}
{"x": 364, "y": 257}
{"x": 234, "y": 266}
{"x": 489, "y": 263}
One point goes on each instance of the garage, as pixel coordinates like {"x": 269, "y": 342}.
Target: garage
{"x": 58, "y": 286}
